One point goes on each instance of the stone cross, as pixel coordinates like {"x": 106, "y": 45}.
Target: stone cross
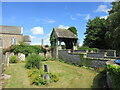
{"x": 46, "y": 69}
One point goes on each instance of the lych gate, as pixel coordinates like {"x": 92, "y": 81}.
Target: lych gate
{"x": 62, "y": 35}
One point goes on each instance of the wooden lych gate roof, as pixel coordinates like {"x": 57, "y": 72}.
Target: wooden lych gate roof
{"x": 64, "y": 33}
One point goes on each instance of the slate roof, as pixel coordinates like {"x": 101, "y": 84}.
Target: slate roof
{"x": 64, "y": 33}
{"x": 10, "y": 29}
{"x": 26, "y": 38}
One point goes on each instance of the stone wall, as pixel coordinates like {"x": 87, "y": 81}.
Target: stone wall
{"x": 6, "y": 39}
{"x": 96, "y": 55}
{"x": 111, "y": 53}
{"x": 68, "y": 57}
{"x": 81, "y": 59}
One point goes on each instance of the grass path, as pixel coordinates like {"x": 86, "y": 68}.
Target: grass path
{"x": 69, "y": 76}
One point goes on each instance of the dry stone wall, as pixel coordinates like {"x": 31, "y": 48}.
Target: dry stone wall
{"x": 79, "y": 59}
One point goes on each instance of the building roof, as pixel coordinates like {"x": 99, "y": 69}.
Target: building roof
{"x": 64, "y": 33}
{"x": 26, "y": 38}
{"x": 10, "y": 29}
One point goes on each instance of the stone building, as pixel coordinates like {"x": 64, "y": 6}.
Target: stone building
{"x": 12, "y": 35}
{"x": 58, "y": 36}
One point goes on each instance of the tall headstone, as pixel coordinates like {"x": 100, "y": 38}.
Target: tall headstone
{"x": 38, "y": 66}
{"x": 46, "y": 69}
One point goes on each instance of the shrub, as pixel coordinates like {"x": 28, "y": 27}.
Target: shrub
{"x": 114, "y": 72}
{"x": 36, "y": 77}
{"x": 32, "y": 61}
{"x": 13, "y": 59}
{"x": 25, "y": 49}
{"x": 87, "y": 48}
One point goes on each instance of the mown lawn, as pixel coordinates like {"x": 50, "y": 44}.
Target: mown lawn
{"x": 69, "y": 76}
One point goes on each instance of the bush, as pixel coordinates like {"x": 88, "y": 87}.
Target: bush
{"x": 13, "y": 59}
{"x": 25, "y": 49}
{"x": 36, "y": 77}
{"x": 114, "y": 72}
{"x": 32, "y": 61}
{"x": 87, "y": 48}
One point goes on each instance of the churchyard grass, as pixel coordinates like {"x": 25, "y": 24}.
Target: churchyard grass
{"x": 69, "y": 76}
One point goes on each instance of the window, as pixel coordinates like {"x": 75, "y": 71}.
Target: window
{"x": 13, "y": 41}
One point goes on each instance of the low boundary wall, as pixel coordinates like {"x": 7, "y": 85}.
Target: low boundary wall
{"x": 81, "y": 59}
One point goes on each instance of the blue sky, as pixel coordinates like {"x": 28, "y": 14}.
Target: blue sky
{"x": 39, "y": 18}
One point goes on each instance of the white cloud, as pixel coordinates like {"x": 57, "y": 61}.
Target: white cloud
{"x": 37, "y": 30}
{"x": 105, "y": 17}
{"x": 108, "y": 0}
{"x": 51, "y": 21}
{"x": 80, "y": 44}
{"x": 87, "y": 17}
{"x": 35, "y": 44}
{"x": 32, "y": 37}
{"x": 62, "y": 26}
{"x": 73, "y": 18}
{"x": 102, "y": 8}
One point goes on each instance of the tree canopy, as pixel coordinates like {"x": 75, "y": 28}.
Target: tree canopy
{"x": 73, "y": 29}
{"x": 95, "y": 33}
{"x": 105, "y": 34}
{"x": 113, "y": 33}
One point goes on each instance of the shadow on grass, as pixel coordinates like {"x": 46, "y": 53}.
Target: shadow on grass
{"x": 100, "y": 81}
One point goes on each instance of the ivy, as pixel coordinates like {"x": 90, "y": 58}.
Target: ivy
{"x": 25, "y": 49}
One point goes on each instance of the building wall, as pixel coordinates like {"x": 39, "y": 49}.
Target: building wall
{"x": 6, "y": 39}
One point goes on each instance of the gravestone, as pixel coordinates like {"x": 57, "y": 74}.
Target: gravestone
{"x": 46, "y": 69}
{"x": 21, "y": 56}
{"x": 38, "y": 65}
{"x": 46, "y": 77}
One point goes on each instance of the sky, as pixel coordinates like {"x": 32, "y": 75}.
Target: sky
{"x": 39, "y": 18}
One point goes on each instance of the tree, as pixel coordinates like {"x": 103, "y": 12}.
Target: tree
{"x": 113, "y": 33}
{"x": 73, "y": 29}
{"x": 95, "y": 33}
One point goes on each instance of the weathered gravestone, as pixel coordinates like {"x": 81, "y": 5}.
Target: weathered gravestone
{"x": 38, "y": 65}
{"x": 46, "y": 77}
{"x": 46, "y": 69}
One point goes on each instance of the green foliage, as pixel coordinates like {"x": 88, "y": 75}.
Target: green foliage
{"x": 13, "y": 59}
{"x": 95, "y": 33}
{"x": 36, "y": 77}
{"x": 25, "y": 49}
{"x": 32, "y": 61}
{"x": 73, "y": 30}
{"x": 87, "y": 48}
{"x": 114, "y": 72}
{"x": 113, "y": 33}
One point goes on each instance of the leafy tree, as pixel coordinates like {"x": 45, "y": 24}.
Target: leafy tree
{"x": 95, "y": 33}
{"x": 73, "y": 29}
{"x": 113, "y": 33}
